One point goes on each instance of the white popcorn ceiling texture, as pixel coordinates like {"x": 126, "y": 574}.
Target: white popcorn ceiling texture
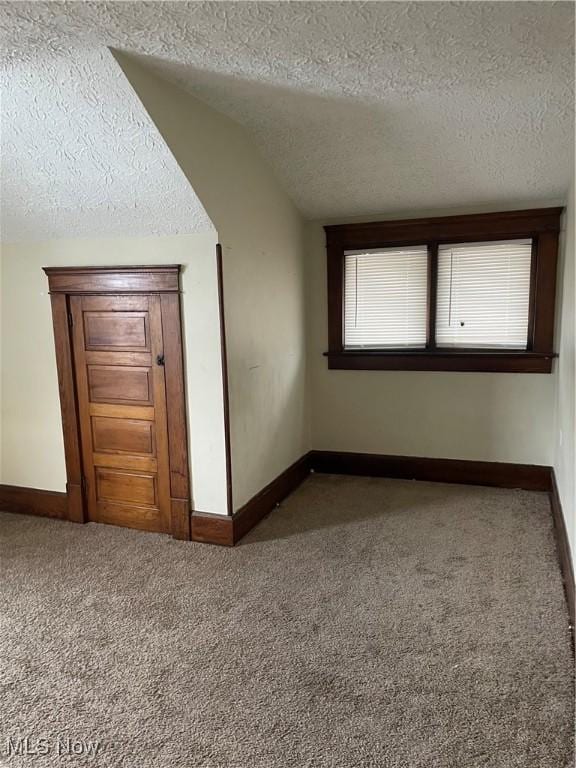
{"x": 361, "y": 108}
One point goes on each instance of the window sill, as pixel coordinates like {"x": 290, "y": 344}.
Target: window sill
{"x": 487, "y": 362}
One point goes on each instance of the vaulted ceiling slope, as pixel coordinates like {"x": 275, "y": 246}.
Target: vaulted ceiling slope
{"x": 80, "y": 155}
{"x": 361, "y": 108}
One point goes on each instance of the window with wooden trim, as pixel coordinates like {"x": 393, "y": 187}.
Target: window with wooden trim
{"x": 461, "y": 293}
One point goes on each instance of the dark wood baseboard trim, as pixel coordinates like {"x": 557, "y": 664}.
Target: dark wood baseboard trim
{"x": 33, "y": 501}
{"x": 528, "y": 476}
{"x": 564, "y": 554}
{"x": 227, "y": 530}
{"x": 209, "y": 528}
{"x": 253, "y": 511}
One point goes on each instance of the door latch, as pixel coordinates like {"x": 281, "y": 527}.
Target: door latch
{"x": 160, "y": 360}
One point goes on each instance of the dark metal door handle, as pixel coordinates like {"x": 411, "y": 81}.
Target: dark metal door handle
{"x": 160, "y": 360}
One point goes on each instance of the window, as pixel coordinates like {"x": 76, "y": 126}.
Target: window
{"x": 483, "y": 295}
{"x": 469, "y": 293}
{"x": 385, "y": 298}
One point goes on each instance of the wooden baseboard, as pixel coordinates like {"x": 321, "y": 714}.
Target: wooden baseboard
{"x": 212, "y": 529}
{"x": 227, "y": 530}
{"x": 33, "y": 501}
{"x": 259, "y": 506}
{"x": 502, "y": 475}
{"x": 564, "y": 554}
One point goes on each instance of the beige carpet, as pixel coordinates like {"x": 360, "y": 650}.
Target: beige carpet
{"x": 377, "y": 623}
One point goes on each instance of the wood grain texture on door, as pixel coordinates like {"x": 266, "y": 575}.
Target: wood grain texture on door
{"x": 118, "y": 358}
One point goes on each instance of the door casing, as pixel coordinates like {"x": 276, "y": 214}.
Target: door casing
{"x": 163, "y": 281}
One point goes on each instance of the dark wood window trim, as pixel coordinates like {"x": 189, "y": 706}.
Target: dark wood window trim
{"x": 542, "y": 225}
{"x": 65, "y": 282}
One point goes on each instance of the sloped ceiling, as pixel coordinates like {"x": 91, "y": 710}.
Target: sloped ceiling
{"x": 82, "y": 158}
{"x": 361, "y": 108}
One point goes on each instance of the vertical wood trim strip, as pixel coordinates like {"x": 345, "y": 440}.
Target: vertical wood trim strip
{"x": 335, "y": 282}
{"x": 432, "y": 294}
{"x": 83, "y": 412}
{"x": 161, "y": 406}
{"x": 532, "y": 301}
{"x": 545, "y": 292}
{"x": 68, "y": 407}
{"x": 225, "y": 390}
{"x": 176, "y": 412}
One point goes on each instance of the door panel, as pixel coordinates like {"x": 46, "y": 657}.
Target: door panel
{"x": 122, "y": 435}
{"x": 119, "y": 384}
{"x": 122, "y": 403}
{"x": 129, "y": 516}
{"x": 126, "y": 487}
{"x": 116, "y": 330}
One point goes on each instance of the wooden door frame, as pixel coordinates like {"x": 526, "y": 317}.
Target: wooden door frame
{"x": 163, "y": 280}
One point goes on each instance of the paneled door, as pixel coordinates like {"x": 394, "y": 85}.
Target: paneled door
{"x": 118, "y": 352}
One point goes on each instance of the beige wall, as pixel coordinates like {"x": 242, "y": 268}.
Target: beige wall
{"x": 1, "y": 345}
{"x": 31, "y": 434}
{"x": 564, "y": 454}
{"x": 279, "y": 408}
{"x": 481, "y": 416}
{"x": 262, "y": 237}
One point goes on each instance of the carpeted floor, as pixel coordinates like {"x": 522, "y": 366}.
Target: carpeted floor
{"x": 377, "y": 623}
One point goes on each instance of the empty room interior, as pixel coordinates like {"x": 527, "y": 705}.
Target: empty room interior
{"x": 287, "y": 384}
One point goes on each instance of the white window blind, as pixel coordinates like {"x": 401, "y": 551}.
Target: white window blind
{"x": 385, "y": 297}
{"x": 483, "y": 294}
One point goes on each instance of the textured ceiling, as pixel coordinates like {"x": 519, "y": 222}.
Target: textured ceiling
{"x": 361, "y": 107}
{"x": 80, "y": 155}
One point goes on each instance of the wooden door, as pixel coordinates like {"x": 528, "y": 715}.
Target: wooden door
{"x": 119, "y": 364}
